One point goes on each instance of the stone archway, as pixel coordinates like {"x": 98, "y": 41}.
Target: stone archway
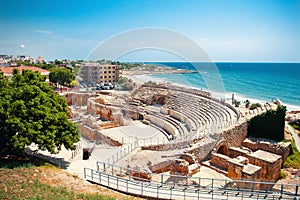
{"x": 140, "y": 117}
{"x": 222, "y": 148}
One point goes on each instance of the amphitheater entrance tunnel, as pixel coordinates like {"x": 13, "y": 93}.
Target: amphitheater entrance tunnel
{"x": 222, "y": 148}
{"x": 141, "y": 117}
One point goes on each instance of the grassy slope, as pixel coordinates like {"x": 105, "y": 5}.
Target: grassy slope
{"x": 24, "y": 183}
{"x": 293, "y": 160}
{"x": 296, "y": 127}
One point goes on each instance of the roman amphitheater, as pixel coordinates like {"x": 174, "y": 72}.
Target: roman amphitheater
{"x": 157, "y": 140}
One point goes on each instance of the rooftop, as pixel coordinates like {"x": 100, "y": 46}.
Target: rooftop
{"x": 9, "y": 70}
{"x": 267, "y": 156}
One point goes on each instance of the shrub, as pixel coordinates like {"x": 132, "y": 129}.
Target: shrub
{"x": 268, "y": 125}
{"x": 254, "y": 106}
{"x": 282, "y": 175}
{"x": 295, "y": 124}
{"x": 236, "y": 103}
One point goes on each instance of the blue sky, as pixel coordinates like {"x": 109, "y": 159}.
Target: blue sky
{"x": 238, "y": 30}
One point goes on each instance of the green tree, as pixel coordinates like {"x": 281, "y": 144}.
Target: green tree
{"x": 57, "y": 62}
{"x": 45, "y": 66}
{"x": 61, "y": 76}
{"x": 74, "y": 83}
{"x": 123, "y": 80}
{"x": 30, "y": 112}
{"x": 268, "y": 125}
{"x": 254, "y": 106}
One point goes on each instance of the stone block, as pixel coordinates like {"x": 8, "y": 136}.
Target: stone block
{"x": 161, "y": 167}
{"x": 180, "y": 166}
{"x": 190, "y": 158}
{"x": 193, "y": 169}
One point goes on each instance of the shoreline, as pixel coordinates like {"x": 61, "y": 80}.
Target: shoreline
{"x": 170, "y": 71}
{"x": 139, "y": 79}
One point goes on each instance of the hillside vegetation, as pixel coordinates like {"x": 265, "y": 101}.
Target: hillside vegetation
{"x": 24, "y": 180}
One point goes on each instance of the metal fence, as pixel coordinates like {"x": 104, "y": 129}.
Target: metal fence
{"x": 124, "y": 151}
{"x": 131, "y": 143}
{"x": 78, "y": 147}
{"x": 185, "y": 187}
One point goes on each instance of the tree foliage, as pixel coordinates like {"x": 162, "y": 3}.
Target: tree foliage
{"x": 30, "y": 112}
{"x": 268, "y": 125}
{"x": 126, "y": 84}
{"x": 61, "y": 76}
{"x": 254, "y": 106}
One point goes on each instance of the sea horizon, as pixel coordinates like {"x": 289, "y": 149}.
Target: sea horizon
{"x": 257, "y": 82}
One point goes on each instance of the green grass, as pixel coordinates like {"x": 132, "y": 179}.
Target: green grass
{"x": 24, "y": 162}
{"x": 19, "y": 179}
{"x": 282, "y": 175}
{"x": 293, "y": 160}
{"x": 296, "y": 126}
{"x": 22, "y": 183}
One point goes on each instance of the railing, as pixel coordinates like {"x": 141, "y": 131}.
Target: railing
{"x": 131, "y": 143}
{"x": 124, "y": 151}
{"x": 186, "y": 187}
{"x": 78, "y": 147}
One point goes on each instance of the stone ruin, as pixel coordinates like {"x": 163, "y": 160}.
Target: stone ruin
{"x": 194, "y": 124}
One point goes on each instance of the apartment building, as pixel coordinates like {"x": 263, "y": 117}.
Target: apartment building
{"x": 99, "y": 73}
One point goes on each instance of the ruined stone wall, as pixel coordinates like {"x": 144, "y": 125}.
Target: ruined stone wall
{"x": 94, "y": 135}
{"x": 220, "y": 160}
{"x": 279, "y": 148}
{"x": 79, "y": 99}
{"x": 88, "y": 133}
{"x": 270, "y": 171}
{"x": 130, "y": 114}
{"x": 202, "y": 149}
{"x": 235, "y": 170}
{"x": 167, "y": 147}
{"x": 235, "y": 135}
{"x": 106, "y": 113}
{"x": 270, "y": 168}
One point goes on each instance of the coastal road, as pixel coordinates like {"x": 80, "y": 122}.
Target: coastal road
{"x": 295, "y": 136}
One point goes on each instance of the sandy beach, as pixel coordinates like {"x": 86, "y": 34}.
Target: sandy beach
{"x": 139, "y": 79}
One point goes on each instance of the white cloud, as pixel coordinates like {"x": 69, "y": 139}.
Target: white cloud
{"x": 43, "y": 31}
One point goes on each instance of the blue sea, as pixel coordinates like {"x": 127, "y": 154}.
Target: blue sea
{"x": 257, "y": 82}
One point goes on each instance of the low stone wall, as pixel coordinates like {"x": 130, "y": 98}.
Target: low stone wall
{"x": 167, "y": 147}
{"x": 94, "y": 135}
{"x": 220, "y": 160}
